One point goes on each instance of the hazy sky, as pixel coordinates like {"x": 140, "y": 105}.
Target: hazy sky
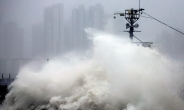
{"x": 32, "y": 10}
{"x": 29, "y": 12}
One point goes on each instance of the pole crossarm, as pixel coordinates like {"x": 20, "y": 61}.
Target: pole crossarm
{"x": 132, "y": 16}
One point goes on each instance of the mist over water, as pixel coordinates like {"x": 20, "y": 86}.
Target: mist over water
{"x": 113, "y": 75}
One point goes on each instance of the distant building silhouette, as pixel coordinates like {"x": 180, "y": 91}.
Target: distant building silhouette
{"x": 78, "y": 26}
{"x": 11, "y": 47}
{"x": 1, "y": 36}
{"x": 54, "y": 30}
{"x": 96, "y": 17}
{"x": 38, "y": 40}
{"x": 13, "y": 38}
{"x": 61, "y": 36}
{"x": 82, "y": 19}
{"x": 68, "y": 36}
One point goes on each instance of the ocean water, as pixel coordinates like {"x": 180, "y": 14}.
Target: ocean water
{"x": 113, "y": 75}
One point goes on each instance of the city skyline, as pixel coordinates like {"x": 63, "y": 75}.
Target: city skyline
{"x": 81, "y": 18}
{"x": 60, "y": 37}
{"x": 54, "y": 36}
{"x": 38, "y": 43}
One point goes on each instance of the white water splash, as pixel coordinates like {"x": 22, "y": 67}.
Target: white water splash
{"x": 118, "y": 75}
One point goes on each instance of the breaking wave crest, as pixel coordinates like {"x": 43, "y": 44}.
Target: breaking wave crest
{"x": 115, "y": 75}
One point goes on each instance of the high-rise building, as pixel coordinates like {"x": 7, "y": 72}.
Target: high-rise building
{"x": 13, "y": 38}
{"x": 78, "y": 26}
{"x": 81, "y": 19}
{"x": 54, "y": 29}
{"x": 38, "y": 40}
{"x": 96, "y": 16}
{"x": 68, "y": 36}
{"x": 1, "y": 36}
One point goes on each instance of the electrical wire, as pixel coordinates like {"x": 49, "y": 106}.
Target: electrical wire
{"x": 163, "y": 23}
{"x": 146, "y": 17}
{"x": 138, "y": 39}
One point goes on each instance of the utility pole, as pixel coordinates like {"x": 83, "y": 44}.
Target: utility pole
{"x": 132, "y": 16}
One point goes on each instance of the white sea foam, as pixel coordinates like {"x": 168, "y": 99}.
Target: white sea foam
{"x": 118, "y": 75}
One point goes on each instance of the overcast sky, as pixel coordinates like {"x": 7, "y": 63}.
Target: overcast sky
{"x": 32, "y": 10}
{"x": 29, "y": 12}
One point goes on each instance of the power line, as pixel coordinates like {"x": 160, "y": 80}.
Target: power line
{"x": 146, "y": 17}
{"x": 163, "y": 23}
{"x": 138, "y": 39}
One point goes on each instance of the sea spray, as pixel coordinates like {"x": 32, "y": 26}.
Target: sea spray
{"x": 118, "y": 75}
